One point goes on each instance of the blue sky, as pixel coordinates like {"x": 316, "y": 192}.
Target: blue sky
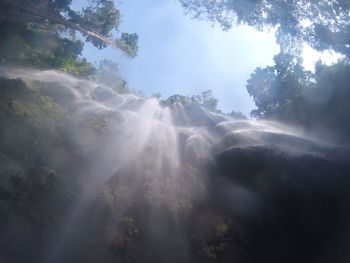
{"x": 185, "y": 56}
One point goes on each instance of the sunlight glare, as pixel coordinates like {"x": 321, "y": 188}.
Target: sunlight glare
{"x": 311, "y": 56}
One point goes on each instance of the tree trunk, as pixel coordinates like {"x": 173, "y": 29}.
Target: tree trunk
{"x": 44, "y": 14}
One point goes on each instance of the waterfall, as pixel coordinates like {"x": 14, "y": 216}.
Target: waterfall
{"x": 152, "y": 164}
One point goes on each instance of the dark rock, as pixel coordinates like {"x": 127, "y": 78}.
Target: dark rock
{"x": 300, "y": 202}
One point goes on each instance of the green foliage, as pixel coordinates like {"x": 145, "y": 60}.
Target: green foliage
{"x": 75, "y": 66}
{"x": 277, "y": 89}
{"x": 208, "y": 101}
{"x": 128, "y": 42}
{"x": 42, "y": 34}
{"x": 289, "y": 93}
{"x": 135, "y": 210}
{"x": 95, "y": 22}
{"x": 286, "y": 91}
{"x": 38, "y": 46}
{"x": 100, "y": 16}
{"x": 107, "y": 72}
{"x": 31, "y": 121}
{"x": 176, "y": 99}
{"x": 237, "y": 115}
{"x": 323, "y": 24}
{"x": 205, "y": 99}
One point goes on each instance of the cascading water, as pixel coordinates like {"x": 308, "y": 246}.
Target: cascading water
{"x": 153, "y": 166}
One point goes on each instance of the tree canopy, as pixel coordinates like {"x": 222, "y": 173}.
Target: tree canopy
{"x": 276, "y": 89}
{"x": 107, "y": 72}
{"x": 289, "y": 93}
{"x": 51, "y": 34}
{"x": 286, "y": 91}
{"x": 322, "y": 24}
{"x": 95, "y": 22}
{"x": 205, "y": 99}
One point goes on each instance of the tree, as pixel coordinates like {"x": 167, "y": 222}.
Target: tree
{"x": 41, "y": 46}
{"x": 94, "y": 22}
{"x": 323, "y": 24}
{"x": 237, "y": 115}
{"x": 208, "y": 101}
{"x": 176, "y": 99}
{"x": 277, "y": 90}
{"x": 107, "y": 73}
{"x": 317, "y": 101}
{"x": 204, "y": 99}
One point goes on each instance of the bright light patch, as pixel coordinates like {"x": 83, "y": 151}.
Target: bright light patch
{"x": 311, "y": 56}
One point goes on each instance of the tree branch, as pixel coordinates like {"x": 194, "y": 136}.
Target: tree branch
{"x": 39, "y": 12}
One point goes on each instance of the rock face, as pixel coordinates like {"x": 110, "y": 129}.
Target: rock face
{"x": 89, "y": 175}
{"x": 294, "y": 206}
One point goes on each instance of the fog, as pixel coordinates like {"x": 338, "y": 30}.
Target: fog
{"x": 118, "y": 142}
{"x": 156, "y": 165}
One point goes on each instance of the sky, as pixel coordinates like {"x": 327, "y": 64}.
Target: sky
{"x": 179, "y": 55}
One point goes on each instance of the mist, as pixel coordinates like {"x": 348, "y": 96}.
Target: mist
{"x": 209, "y": 135}
{"x": 142, "y": 170}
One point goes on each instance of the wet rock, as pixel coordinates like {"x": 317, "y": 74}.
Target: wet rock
{"x": 302, "y": 202}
